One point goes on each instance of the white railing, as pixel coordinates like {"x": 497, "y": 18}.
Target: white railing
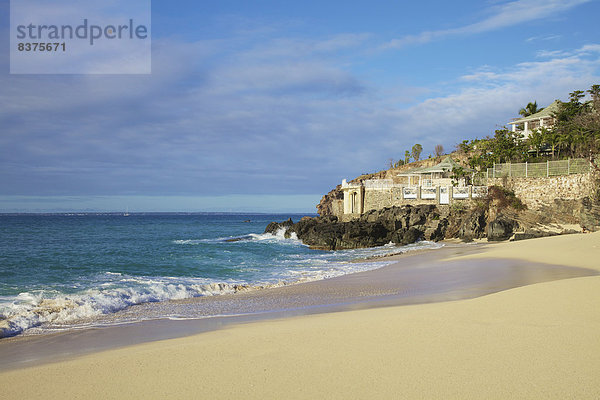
{"x": 419, "y": 192}
{"x": 428, "y": 193}
{"x": 378, "y": 184}
{"x": 460, "y": 192}
{"x": 409, "y": 192}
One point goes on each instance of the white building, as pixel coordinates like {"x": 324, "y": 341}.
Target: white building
{"x": 541, "y": 119}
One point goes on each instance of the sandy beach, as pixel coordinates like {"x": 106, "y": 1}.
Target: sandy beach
{"x": 535, "y": 341}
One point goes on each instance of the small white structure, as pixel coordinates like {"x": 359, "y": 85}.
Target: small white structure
{"x": 541, "y": 119}
{"x": 353, "y": 197}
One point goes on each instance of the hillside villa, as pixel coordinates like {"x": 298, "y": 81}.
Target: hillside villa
{"x": 541, "y": 119}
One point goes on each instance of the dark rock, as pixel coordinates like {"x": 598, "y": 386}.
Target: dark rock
{"x": 473, "y": 225}
{"x": 401, "y": 225}
{"x": 589, "y": 216}
{"x": 437, "y": 232}
{"x": 500, "y": 229}
{"x": 408, "y": 224}
{"x": 411, "y": 235}
{"x": 273, "y": 227}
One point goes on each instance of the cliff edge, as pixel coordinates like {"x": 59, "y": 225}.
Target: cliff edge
{"x": 499, "y": 216}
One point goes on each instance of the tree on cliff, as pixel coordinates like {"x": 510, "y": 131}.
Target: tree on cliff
{"x": 537, "y": 138}
{"x": 416, "y": 151}
{"x": 395, "y": 164}
{"x": 578, "y": 125}
{"x": 530, "y": 109}
{"x": 406, "y": 157}
{"x": 439, "y": 150}
{"x": 576, "y": 133}
{"x": 587, "y": 122}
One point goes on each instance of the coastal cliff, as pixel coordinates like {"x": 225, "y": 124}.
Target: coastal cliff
{"x": 501, "y": 216}
{"x": 515, "y": 208}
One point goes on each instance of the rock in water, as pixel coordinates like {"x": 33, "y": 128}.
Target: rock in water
{"x": 273, "y": 227}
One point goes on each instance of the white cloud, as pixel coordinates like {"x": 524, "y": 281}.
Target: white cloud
{"x": 490, "y": 97}
{"x": 550, "y": 53}
{"x": 503, "y": 15}
{"x": 235, "y": 116}
{"x": 587, "y": 49}
{"x": 543, "y": 38}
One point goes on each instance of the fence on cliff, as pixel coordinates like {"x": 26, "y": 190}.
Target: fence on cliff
{"x": 538, "y": 170}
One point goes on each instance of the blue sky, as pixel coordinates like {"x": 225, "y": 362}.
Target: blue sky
{"x": 266, "y": 106}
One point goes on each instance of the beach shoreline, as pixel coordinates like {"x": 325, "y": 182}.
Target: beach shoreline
{"x": 37, "y": 348}
{"x": 96, "y": 344}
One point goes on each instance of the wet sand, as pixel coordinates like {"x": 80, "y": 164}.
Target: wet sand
{"x": 529, "y": 341}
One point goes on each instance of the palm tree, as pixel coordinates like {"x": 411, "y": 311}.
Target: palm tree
{"x": 536, "y": 139}
{"x": 530, "y": 108}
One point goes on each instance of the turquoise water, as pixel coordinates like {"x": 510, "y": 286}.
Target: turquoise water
{"x": 61, "y": 269}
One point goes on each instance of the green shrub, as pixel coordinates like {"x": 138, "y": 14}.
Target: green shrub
{"x": 504, "y": 198}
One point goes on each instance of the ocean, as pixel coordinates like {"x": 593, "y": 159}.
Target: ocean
{"x": 65, "y": 271}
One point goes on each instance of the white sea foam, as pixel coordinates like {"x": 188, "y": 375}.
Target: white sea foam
{"x": 278, "y": 237}
{"x": 31, "y": 309}
{"x": 116, "y": 291}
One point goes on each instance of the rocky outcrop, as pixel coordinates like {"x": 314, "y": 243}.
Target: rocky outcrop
{"x": 472, "y": 224}
{"x": 501, "y": 228}
{"x": 400, "y": 225}
{"x": 589, "y": 214}
{"x": 273, "y": 227}
{"x": 408, "y": 224}
{"x": 584, "y": 212}
{"x": 326, "y": 205}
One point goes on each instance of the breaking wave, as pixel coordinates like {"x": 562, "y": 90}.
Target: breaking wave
{"x": 279, "y": 236}
{"x": 110, "y": 292}
{"x": 31, "y": 309}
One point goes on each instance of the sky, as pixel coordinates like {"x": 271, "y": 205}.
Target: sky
{"x": 267, "y": 105}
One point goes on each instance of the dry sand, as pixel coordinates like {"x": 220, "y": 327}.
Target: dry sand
{"x": 537, "y": 341}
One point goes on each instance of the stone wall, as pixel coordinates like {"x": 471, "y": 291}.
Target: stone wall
{"x": 537, "y": 192}
{"x": 378, "y": 199}
{"x": 337, "y": 207}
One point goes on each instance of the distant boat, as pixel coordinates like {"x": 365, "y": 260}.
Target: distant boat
{"x": 126, "y": 214}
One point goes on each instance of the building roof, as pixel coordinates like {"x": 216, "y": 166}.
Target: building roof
{"x": 545, "y": 113}
{"x": 446, "y": 165}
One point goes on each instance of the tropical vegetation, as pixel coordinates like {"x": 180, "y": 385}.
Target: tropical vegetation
{"x": 576, "y": 133}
